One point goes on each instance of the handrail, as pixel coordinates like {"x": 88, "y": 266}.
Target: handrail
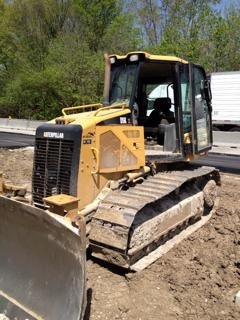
{"x": 93, "y": 105}
{"x": 114, "y": 106}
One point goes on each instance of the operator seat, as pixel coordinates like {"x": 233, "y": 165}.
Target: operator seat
{"x": 161, "y": 122}
{"x": 161, "y": 113}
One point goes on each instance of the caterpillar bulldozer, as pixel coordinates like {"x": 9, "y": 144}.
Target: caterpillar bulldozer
{"x": 117, "y": 177}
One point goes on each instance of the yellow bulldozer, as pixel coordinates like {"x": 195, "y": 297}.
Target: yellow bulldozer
{"x": 115, "y": 177}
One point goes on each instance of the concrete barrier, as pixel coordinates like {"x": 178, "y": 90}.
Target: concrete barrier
{"x": 23, "y": 126}
{"x": 227, "y": 139}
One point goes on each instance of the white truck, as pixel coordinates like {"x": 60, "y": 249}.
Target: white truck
{"x": 225, "y": 88}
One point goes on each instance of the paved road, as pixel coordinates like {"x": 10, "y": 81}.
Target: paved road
{"x": 15, "y": 140}
{"x": 225, "y": 163}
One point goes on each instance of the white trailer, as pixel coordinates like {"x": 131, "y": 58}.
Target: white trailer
{"x": 225, "y": 88}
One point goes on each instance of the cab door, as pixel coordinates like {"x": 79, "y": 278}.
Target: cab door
{"x": 195, "y": 115}
{"x": 201, "y": 110}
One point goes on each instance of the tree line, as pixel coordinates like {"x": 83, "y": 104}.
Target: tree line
{"x": 51, "y": 51}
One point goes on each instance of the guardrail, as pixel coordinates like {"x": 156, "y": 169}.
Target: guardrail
{"x": 23, "y": 126}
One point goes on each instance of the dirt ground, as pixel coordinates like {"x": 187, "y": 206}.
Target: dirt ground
{"x": 198, "y": 279}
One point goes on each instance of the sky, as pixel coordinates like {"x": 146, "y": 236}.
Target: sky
{"x": 226, "y": 3}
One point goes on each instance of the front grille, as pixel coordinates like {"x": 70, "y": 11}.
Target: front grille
{"x": 52, "y": 168}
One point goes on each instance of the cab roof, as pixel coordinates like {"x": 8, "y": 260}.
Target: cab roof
{"x": 148, "y": 56}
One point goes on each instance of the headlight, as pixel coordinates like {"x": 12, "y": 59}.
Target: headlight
{"x": 134, "y": 57}
{"x": 112, "y": 60}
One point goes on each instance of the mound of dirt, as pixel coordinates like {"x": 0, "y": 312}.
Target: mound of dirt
{"x": 198, "y": 279}
{"x": 16, "y": 165}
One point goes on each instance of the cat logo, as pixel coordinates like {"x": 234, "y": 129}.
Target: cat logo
{"x": 56, "y": 135}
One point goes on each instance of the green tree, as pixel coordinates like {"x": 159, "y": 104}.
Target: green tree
{"x": 226, "y": 41}
{"x": 149, "y": 13}
{"x": 35, "y": 23}
{"x": 122, "y": 35}
{"x": 26, "y": 32}
{"x": 94, "y": 19}
{"x": 187, "y": 29}
{"x": 51, "y": 51}
{"x": 54, "y": 66}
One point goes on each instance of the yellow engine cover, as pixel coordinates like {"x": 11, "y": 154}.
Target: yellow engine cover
{"x": 121, "y": 148}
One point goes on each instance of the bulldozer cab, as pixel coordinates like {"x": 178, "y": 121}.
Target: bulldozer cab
{"x": 169, "y": 97}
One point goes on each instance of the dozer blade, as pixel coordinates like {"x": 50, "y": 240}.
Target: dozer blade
{"x": 42, "y": 265}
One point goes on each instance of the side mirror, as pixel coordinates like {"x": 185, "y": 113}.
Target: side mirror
{"x": 207, "y": 90}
